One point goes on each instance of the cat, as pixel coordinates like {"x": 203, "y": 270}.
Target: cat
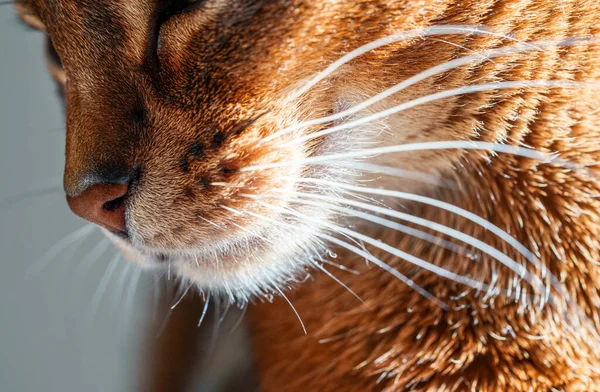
{"x": 404, "y": 194}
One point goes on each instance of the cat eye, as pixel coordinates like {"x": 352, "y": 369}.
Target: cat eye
{"x": 177, "y": 7}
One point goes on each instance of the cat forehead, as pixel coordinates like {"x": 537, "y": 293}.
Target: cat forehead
{"x": 88, "y": 32}
{"x": 99, "y": 16}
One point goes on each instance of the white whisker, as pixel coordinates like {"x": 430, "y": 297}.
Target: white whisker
{"x": 240, "y": 319}
{"x": 255, "y": 234}
{"x": 471, "y": 89}
{"x": 424, "y": 146}
{"x": 293, "y": 308}
{"x": 389, "y": 249}
{"x": 55, "y": 250}
{"x": 436, "y": 70}
{"x": 404, "y": 279}
{"x": 390, "y": 39}
{"x": 204, "y": 309}
{"x": 102, "y": 286}
{"x": 131, "y": 295}
{"x": 93, "y": 256}
{"x": 121, "y": 285}
{"x": 487, "y": 225}
{"x": 156, "y": 291}
{"x": 227, "y": 306}
{"x": 340, "y": 266}
{"x": 396, "y": 172}
{"x": 366, "y": 255}
{"x": 182, "y": 296}
{"x": 217, "y": 316}
{"x": 212, "y": 223}
{"x": 316, "y": 264}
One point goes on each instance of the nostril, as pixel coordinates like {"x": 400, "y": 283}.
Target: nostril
{"x": 114, "y": 205}
{"x": 102, "y": 204}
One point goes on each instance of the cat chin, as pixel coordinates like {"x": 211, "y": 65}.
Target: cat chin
{"x": 250, "y": 267}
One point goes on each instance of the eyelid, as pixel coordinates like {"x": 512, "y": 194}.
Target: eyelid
{"x": 178, "y": 8}
{"x": 164, "y": 15}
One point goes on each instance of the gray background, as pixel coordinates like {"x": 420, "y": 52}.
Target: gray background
{"x": 48, "y": 340}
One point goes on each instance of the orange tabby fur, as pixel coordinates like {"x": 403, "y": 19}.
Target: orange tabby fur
{"x": 396, "y": 340}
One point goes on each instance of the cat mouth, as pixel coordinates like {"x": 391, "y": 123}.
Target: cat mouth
{"x": 153, "y": 258}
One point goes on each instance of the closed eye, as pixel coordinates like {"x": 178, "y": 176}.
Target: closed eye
{"x": 177, "y": 7}
{"x": 167, "y": 10}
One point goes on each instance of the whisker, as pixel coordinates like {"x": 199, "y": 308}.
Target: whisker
{"x": 513, "y": 265}
{"x": 389, "y": 249}
{"x": 182, "y": 296}
{"x": 293, "y": 308}
{"x": 404, "y": 279}
{"x": 165, "y": 321}
{"x": 570, "y": 303}
{"x": 240, "y": 319}
{"x": 524, "y": 152}
{"x": 432, "y": 239}
{"x": 471, "y": 89}
{"x": 212, "y": 223}
{"x": 436, "y": 70}
{"x": 366, "y": 255}
{"x": 204, "y": 310}
{"x": 332, "y": 276}
{"x": 487, "y": 225}
{"x": 482, "y": 56}
{"x": 121, "y": 285}
{"x": 54, "y": 251}
{"x": 243, "y": 228}
{"x": 396, "y": 172}
{"x": 227, "y": 306}
{"x": 217, "y": 316}
{"x": 131, "y": 295}
{"x": 101, "y": 289}
{"x": 241, "y": 213}
{"x": 390, "y": 39}
{"x": 554, "y": 283}
{"x": 93, "y": 256}
{"x": 156, "y": 292}
{"x": 340, "y": 267}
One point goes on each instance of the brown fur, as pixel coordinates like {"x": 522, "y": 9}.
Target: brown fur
{"x": 253, "y": 53}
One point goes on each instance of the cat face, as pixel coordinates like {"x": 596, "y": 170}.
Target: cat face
{"x": 173, "y": 106}
{"x": 193, "y": 127}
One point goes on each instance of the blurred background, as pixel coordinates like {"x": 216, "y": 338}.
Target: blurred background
{"x": 59, "y": 332}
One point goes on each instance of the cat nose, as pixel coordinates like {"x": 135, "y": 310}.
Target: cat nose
{"x": 102, "y": 204}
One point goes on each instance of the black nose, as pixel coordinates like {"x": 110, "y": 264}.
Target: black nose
{"x": 101, "y": 198}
